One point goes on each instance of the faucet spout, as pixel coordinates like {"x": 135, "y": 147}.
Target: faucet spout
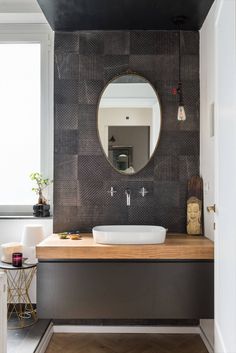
{"x": 127, "y": 193}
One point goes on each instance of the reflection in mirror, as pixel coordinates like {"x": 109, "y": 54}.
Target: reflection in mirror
{"x": 129, "y": 121}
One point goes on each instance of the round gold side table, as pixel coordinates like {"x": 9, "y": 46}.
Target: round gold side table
{"x": 20, "y": 309}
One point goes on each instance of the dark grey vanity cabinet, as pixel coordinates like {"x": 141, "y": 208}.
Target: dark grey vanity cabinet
{"x": 125, "y": 289}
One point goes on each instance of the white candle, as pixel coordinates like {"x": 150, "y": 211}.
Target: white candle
{"x": 8, "y": 249}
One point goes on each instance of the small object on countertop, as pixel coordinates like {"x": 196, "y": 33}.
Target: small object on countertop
{"x": 63, "y": 236}
{"x": 194, "y": 206}
{"x": 17, "y": 259}
{"x": 75, "y": 236}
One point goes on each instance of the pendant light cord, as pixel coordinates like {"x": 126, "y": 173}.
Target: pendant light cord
{"x": 180, "y": 83}
{"x": 179, "y": 55}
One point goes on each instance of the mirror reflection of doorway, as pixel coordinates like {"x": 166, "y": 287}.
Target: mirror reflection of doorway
{"x": 130, "y": 141}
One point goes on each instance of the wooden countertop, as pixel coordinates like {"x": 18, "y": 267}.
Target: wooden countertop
{"x": 176, "y": 246}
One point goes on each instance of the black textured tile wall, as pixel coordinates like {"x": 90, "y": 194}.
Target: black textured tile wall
{"x": 117, "y": 43}
{"x": 84, "y": 63}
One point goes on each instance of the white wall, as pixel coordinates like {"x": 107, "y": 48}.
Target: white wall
{"x": 21, "y": 11}
{"x": 207, "y": 142}
{"x": 218, "y": 85}
{"x": 225, "y": 235}
{"x": 207, "y": 99}
{"x": 11, "y": 230}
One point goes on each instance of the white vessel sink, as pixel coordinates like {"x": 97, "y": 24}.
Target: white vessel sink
{"x": 129, "y": 234}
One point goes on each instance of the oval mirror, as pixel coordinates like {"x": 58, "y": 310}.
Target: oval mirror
{"x": 129, "y": 122}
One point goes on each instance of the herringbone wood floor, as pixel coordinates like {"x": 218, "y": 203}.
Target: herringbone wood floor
{"x": 126, "y": 343}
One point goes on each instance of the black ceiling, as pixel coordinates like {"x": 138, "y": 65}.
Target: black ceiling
{"x": 73, "y": 15}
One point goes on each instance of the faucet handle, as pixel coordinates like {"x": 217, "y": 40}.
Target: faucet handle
{"x": 112, "y": 191}
{"x": 143, "y": 191}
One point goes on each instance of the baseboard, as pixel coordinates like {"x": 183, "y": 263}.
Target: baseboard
{"x": 125, "y": 329}
{"x": 127, "y": 322}
{"x": 219, "y": 343}
{"x": 207, "y": 334}
{"x": 43, "y": 344}
{"x": 207, "y": 343}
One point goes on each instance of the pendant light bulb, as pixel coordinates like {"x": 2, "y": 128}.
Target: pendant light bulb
{"x": 181, "y": 116}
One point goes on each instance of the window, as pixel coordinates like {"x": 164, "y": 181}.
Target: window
{"x": 25, "y": 118}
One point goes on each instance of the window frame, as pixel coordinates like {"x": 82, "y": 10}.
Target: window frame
{"x": 42, "y": 34}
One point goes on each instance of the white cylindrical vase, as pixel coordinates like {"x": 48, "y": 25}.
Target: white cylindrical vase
{"x": 32, "y": 235}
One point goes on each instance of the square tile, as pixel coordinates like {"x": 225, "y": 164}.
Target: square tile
{"x": 167, "y": 42}
{"x": 141, "y": 215}
{"x": 190, "y": 67}
{"x": 66, "y": 42}
{"x": 91, "y": 43}
{"x": 65, "y": 218}
{"x": 117, "y": 43}
{"x": 65, "y": 167}
{"x": 167, "y": 193}
{"x": 172, "y": 218}
{"x": 191, "y": 96}
{"x": 166, "y": 168}
{"x": 66, "y": 141}
{"x": 115, "y": 65}
{"x": 66, "y": 66}
{"x": 166, "y": 67}
{"x": 91, "y": 67}
{"x": 89, "y": 216}
{"x": 91, "y": 192}
{"x": 66, "y": 91}
{"x": 188, "y": 167}
{"x": 65, "y": 193}
{"x": 143, "y": 42}
{"x": 190, "y": 42}
{"x": 93, "y": 167}
{"x": 89, "y": 91}
{"x": 66, "y": 116}
{"x": 116, "y": 215}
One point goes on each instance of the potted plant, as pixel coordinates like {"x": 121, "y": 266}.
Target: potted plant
{"x": 41, "y": 209}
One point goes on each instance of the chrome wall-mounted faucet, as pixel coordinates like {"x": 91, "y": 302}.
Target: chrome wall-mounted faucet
{"x": 112, "y": 191}
{"x": 127, "y": 193}
{"x": 143, "y": 191}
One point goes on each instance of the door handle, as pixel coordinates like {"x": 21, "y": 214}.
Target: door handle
{"x": 211, "y": 208}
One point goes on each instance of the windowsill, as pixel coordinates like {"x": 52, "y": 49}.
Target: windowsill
{"x": 23, "y": 217}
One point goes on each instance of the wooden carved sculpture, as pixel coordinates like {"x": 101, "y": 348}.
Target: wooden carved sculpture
{"x": 194, "y": 216}
{"x": 194, "y": 206}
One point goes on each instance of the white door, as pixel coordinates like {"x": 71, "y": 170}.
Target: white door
{"x": 225, "y": 173}
{"x": 207, "y": 134}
